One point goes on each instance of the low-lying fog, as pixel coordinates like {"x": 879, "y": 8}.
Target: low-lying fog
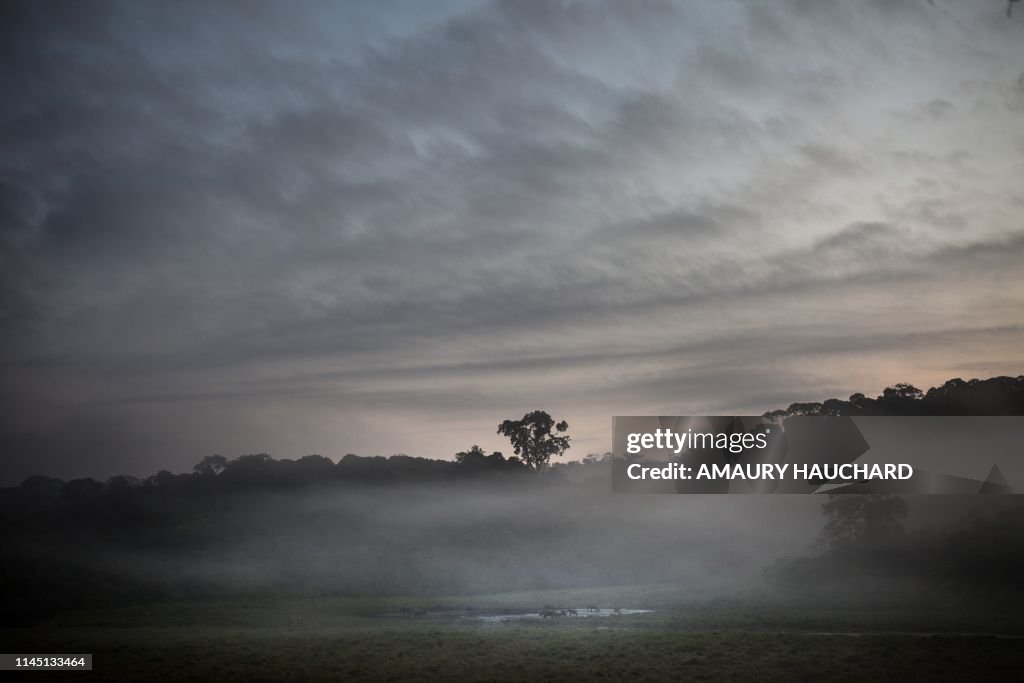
{"x": 458, "y": 539}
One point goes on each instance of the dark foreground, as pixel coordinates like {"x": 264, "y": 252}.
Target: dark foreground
{"x": 457, "y": 639}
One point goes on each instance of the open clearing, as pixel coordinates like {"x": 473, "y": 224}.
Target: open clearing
{"x": 682, "y": 638}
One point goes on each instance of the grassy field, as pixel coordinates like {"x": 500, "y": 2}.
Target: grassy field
{"x": 684, "y": 639}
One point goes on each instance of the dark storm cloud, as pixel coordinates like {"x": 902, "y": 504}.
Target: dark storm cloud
{"x": 297, "y": 216}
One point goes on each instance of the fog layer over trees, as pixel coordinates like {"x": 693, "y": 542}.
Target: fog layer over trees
{"x": 487, "y": 523}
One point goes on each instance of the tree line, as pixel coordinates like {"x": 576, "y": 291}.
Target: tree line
{"x": 994, "y": 396}
{"x": 536, "y": 439}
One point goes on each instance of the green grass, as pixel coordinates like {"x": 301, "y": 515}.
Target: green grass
{"x": 685, "y": 639}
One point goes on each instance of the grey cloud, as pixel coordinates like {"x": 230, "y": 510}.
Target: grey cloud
{"x": 830, "y": 159}
{"x": 667, "y": 225}
{"x": 858, "y": 236}
{"x": 196, "y": 197}
{"x": 939, "y": 108}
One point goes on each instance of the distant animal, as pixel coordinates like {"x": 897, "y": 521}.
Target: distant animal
{"x": 572, "y": 612}
{"x": 592, "y": 608}
{"x": 548, "y": 614}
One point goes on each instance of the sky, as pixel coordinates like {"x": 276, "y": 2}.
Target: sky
{"x": 386, "y": 227}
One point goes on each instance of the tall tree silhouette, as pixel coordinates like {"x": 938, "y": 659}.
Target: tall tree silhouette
{"x": 533, "y": 439}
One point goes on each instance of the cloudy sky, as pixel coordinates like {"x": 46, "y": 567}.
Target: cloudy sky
{"x": 385, "y": 227}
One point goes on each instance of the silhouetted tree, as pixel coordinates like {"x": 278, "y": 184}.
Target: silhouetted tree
{"x": 533, "y": 439}
{"x": 313, "y": 465}
{"x": 476, "y": 459}
{"x": 161, "y": 480}
{"x": 210, "y": 465}
{"x": 832, "y": 407}
{"x": 475, "y": 453}
{"x": 801, "y": 409}
{"x": 903, "y": 391}
{"x": 79, "y": 491}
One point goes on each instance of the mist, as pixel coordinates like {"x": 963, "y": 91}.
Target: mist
{"x": 465, "y": 538}
{"x": 451, "y": 539}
